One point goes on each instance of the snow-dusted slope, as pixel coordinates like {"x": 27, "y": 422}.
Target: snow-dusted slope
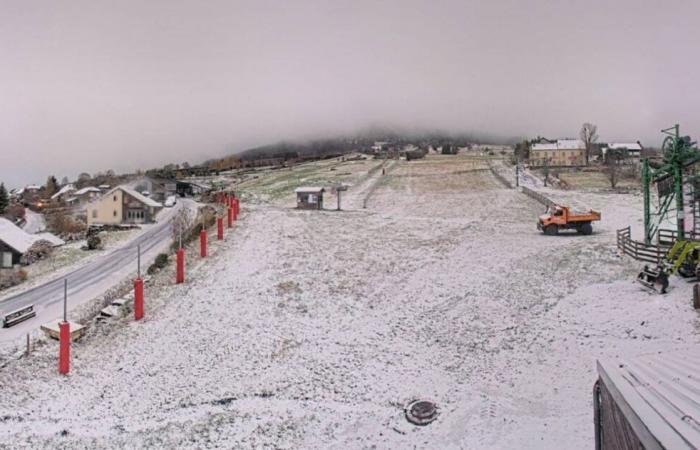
{"x": 310, "y": 329}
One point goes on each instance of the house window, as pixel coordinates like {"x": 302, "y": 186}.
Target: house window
{"x": 5, "y": 259}
{"x": 115, "y": 198}
{"x": 115, "y": 213}
{"x": 94, "y": 214}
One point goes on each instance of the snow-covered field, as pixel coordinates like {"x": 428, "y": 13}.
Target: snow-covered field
{"x": 313, "y": 329}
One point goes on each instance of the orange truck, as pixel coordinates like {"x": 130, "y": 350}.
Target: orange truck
{"x": 562, "y": 218}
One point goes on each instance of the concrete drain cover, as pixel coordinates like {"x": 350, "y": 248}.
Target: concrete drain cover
{"x": 421, "y": 412}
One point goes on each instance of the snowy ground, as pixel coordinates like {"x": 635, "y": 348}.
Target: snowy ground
{"x": 310, "y": 329}
{"x": 33, "y": 222}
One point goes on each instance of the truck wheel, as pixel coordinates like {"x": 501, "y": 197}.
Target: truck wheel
{"x": 551, "y": 230}
{"x": 586, "y": 229}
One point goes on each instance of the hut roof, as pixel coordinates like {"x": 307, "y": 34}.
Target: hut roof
{"x": 660, "y": 396}
{"x": 309, "y": 190}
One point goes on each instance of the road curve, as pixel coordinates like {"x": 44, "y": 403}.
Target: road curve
{"x": 88, "y": 281}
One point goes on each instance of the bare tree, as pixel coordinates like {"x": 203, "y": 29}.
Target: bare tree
{"x": 589, "y": 135}
{"x": 613, "y": 169}
{"x": 182, "y": 222}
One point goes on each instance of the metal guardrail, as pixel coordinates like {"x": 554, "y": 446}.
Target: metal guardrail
{"x": 498, "y": 176}
{"x": 537, "y": 196}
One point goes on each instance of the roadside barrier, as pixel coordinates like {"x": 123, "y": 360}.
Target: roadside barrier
{"x": 64, "y": 348}
{"x": 64, "y": 326}
{"x": 203, "y": 243}
{"x": 180, "y": 266}
{"x": 498, "y": 176}
{"x": 138, "y": 299}
{"x": 537, "y": 196}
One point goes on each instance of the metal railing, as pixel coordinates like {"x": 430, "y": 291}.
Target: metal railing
{"x": 537, "y": 196}
{"x": 498, "y": 176}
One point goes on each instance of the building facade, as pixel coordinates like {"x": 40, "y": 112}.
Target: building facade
{"x": 562, "y": 153}
{"x": 122, "y": 205}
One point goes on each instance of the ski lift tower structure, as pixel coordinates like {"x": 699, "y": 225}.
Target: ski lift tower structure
{"x": 679, "y": 153}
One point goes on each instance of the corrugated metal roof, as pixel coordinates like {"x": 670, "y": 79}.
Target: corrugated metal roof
{"x": 662, "y": 391}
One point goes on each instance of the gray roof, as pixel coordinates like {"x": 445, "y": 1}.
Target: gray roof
{"x": 308, "y": 190}
{"x": 140, "y": 197}
{"x": 661, "y": 396}
{"x": 20, "y": 240}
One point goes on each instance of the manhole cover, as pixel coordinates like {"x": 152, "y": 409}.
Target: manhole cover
{"x": 421, "y": 412}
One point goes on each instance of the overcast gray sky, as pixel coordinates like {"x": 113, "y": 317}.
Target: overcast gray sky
{"x": 88, "y": 85}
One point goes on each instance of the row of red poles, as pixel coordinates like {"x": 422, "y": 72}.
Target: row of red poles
{"x": 233, "y": 208}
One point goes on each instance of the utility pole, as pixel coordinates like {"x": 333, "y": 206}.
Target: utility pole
{"x": 65, "y": 299}
{"x": 647, "y": 201}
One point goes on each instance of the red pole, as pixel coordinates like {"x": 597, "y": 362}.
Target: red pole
{"x": 230, "y": 217}
{"x": 220, "y": 228}
{"x": 138, "y": 299}
{"x": 203, "y": 243}
{"x": 180, "y": 270}
{"x": 238, "y": 207}
{"x": 64, "y": 348}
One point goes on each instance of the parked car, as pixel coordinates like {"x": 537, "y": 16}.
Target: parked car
{"x": 170, "y": 201}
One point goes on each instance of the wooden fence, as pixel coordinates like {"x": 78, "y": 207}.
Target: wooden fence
{"x": 640, "y": 251}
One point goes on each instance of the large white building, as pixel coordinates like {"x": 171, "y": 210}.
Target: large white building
{"x": 562, "y": 153}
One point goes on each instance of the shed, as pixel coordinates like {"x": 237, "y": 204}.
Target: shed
{"x": 14, "y": 242}
{"x": 309, "y": 197}
{"x": 649, "y": 402}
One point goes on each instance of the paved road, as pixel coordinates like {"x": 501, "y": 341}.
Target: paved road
{"x": 90, "y": 280}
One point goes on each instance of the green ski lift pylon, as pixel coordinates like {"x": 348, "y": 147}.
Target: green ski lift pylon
{"x": 678, "y": 152}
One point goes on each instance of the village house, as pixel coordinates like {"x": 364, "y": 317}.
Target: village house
{"x": 309, "y": 197}
{"x": 82, "y": 197}
{"x": 14, "y": 242}
{"x": 122, "y": 205}
{"x": 633, "y": 149}
{"x": 156, "y": 188}
{"x": 63, "y": 194}
{"x": 562, "y": 153}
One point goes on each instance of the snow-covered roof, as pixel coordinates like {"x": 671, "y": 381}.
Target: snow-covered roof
{"x": 64, "y": 190}
{"x": 32, "y": 187}
{"x": 104, "y": 186}
{"x": 660, "y": 390}
{"x": 50, "y": 237}
{"x": 627, "y": 145}
{"x": 85, "y": 190}
{"x": 140, "y": 197}
{"x": 308, "y": 190}
{"x": 561, "y": 144}
{"x": 15, "y": 237}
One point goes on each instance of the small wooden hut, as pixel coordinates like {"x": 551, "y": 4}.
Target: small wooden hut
{"x": 309, "y": 197}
